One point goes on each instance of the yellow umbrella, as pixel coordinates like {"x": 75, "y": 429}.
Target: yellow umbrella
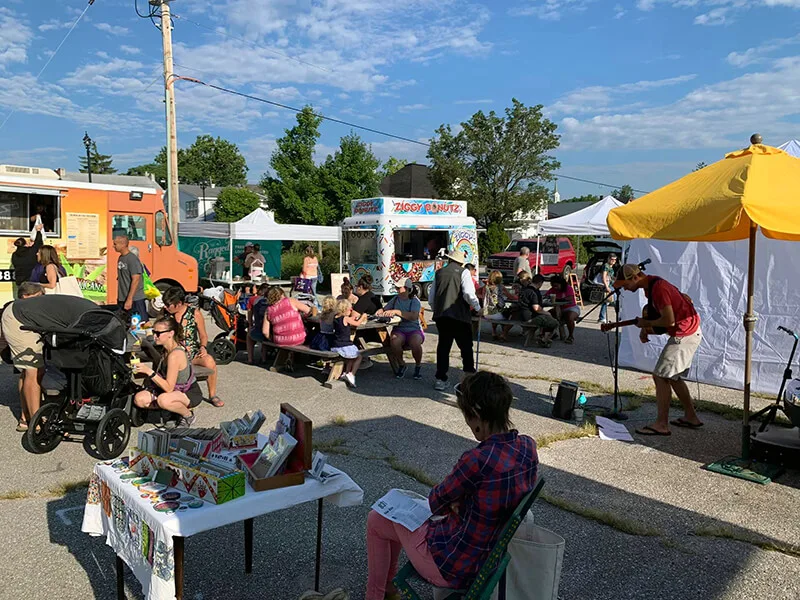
{"x": 728, "y": 200}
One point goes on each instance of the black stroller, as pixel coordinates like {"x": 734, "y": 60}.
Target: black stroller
{"x": 91, "y": 346}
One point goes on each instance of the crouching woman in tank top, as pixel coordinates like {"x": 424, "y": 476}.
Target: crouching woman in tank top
{"x": 172, "y": 385}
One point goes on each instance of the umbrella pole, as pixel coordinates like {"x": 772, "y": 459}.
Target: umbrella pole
{"x": 749, "y": 325}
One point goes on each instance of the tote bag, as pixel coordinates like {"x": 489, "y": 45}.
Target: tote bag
{"x": 67, "y": 286}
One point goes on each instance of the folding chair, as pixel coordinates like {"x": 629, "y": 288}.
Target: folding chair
{"x": 491, "y": 573}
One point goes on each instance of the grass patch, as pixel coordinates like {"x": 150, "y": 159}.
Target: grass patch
{"x": 619, "y": 523}
{"x": 335, "y": 446}
{"x": 731, "y": 533}
{"x": 585, "y": 430}
{"x": 62, "y": 489}
{"x": 14, "y": 495}
{"x": 412, "y": 472}
{"x": 339, "y": 421}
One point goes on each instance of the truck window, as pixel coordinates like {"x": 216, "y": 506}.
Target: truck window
{"x": 163, "y": 236}
{"x": 418, "y": 244}
{"x": 134, "y": 226}
{"x": 564, "y": 245}
{"x": 361, "y": 246}
{"x": 16, "y": 210}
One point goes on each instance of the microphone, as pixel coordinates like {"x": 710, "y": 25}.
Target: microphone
{"x": 789, "y": 331}
{"x": 644, "y": 263}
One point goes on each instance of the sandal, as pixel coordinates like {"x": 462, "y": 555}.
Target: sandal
{"x": 216, "y": 401}
{"x": 569, "y": 340}
{"x": 22, "y": 427}
{"x": 681, "y": 422}
{"x": 647, "y": 430}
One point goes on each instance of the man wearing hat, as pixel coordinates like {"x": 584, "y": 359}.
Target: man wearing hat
{"x": 452, "y": 295}
{"x": 666, "y": 308}
{"x": 242, "y": 259}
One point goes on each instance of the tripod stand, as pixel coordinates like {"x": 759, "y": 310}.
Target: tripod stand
{"x": 616, "y": 412}
{"x": 772, "y": 410}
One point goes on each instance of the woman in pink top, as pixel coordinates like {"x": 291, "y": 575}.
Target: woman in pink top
{"x": 284, "y": 322}
{"x": 310, "y": 268}
{"x": 566, "y": 308}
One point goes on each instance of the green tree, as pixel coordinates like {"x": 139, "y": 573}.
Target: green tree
{"x": 392, "y": 166}
{"x": 234, "y": 203}
{"x": 294, "y": 191}
{"x": 624, "y": 194}
{"x": 496, "y": 163}
{"x": 352, "y": 172}
{"x": 586, "y": 198}
{"x": 212, "y": 160}
{"x": 101, "y": 163}
{"x": 700, "y": 165}
{"x": 493, "y": 240}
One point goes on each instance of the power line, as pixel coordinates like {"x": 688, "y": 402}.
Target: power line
{"x": 371, "y": 130}
{"x": 249, "y": 43}
{"x": 52, "y": 56}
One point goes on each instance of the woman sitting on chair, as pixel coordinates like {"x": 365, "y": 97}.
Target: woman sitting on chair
{"x": 407, "y": 334}
{"x": 172, "y": 385}
{"x": 566, "y": 308}
{"x": 470, "y": 506}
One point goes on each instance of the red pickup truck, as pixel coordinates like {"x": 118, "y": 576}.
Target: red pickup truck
{"x": 557, "y": 256}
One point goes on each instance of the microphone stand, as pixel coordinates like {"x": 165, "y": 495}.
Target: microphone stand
{"x": 616, "y": 412}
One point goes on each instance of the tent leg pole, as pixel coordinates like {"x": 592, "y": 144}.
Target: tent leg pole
{"x": 749, "y": 325}
{"x": 537, "y": 252}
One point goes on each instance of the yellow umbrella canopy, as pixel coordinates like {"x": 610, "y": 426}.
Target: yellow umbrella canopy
{"x": 728, "y": 200}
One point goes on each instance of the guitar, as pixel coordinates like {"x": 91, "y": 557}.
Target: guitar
{"x": 651, "y": 314}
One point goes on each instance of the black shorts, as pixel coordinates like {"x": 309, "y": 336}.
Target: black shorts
{"x": 139, "y": 307}
{"x": 195, "y": 395}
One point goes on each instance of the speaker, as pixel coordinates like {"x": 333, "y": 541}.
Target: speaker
{"x": 565, "y": 399}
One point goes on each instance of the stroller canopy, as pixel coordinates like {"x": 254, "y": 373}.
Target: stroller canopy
{"x": 55, "y": 313}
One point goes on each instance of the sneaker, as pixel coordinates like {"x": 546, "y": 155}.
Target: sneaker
{"x": 440, "y": 386}
{"x": 401, "y": 372}
{"x": 350, "y": 379}
{"x": 417, "y": 372}
{"x": 187, "y": 421}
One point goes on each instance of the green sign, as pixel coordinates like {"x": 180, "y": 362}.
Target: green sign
{"x": 204, "y": 250}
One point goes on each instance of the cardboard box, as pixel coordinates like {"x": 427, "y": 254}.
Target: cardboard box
{"x": 216, "y": 490}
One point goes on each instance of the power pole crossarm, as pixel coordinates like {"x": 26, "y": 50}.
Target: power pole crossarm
{"x": 172, "y": 127}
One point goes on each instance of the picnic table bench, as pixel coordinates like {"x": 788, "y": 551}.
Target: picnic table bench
{"x": 527, "y": 327}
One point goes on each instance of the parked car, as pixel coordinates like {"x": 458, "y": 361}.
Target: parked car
{"x": 557, "y": 256}
{"x": 592, "y": 290}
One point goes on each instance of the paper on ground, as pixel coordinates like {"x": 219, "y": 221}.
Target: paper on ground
{"x": 406, "y": 508}
{"x": 611, "y": 430}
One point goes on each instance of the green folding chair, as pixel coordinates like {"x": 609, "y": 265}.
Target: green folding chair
{"x": 493, "y": 571}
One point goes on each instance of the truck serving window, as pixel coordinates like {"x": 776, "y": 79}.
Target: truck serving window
{"x": 17, "y": 209}
{"x": 361, "y": 247}
{"x": 418, "y": 244}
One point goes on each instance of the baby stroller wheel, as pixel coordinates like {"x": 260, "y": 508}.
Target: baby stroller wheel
{"x": 44, "y": 430}
{"x": 223, "y": 350}
{"x": 113, "y": 433}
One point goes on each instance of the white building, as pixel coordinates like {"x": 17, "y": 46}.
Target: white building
{"x": 528, "y": 223}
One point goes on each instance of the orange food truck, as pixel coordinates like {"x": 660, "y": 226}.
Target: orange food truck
{"x": 80, "y": 220}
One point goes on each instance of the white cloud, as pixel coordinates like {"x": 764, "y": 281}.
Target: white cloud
{"x": 720, "y": 115}
{"x": 486, "y": 101}
{"x": 130, "y": 49}
{"x": 50, "y": 157}
{"x": 758, "y": 54}
{"x": 550, "y": 10}
{"x": 112, "y": 29}
{"x": 405, "y": 108}
{"x": 54, "y": 24}
{"x": 15, "y": 38}
{"x": 716, "y": 12}
{"x": 619, "y": 11}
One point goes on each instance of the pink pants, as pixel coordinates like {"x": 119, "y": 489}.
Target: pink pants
{"x": 384, "y": 541}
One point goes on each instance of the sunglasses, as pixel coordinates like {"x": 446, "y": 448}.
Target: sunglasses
{"x": 158, "y": 333}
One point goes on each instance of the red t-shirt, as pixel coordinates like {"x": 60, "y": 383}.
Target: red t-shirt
{"x": 687, "y": 321}
{"x": 251, "y": 301}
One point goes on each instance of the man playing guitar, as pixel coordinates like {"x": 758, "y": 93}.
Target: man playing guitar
{"x": 671, "y": 312}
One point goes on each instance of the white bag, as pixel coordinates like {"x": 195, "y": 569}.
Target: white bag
{"x": 536, "y": 559}
{"x": 33, "y": 231}
{"x": 68, "y": 286}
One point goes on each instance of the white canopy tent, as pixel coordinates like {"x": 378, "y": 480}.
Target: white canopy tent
{"x": 587, "y": 221}
{"x": 260, "y": 225}
{"x": 714, "y": 275}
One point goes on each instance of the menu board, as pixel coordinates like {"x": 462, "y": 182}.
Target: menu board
{"x": 83, "y": 235}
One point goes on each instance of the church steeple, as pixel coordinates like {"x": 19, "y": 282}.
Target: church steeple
{"x": 556, "y": 195}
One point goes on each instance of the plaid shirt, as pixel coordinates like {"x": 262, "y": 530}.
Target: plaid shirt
{"x": 488, "y": 483}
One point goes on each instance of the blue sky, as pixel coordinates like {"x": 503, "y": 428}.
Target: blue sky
{"x": 641, "y": 89}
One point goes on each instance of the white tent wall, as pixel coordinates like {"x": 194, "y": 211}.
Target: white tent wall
{"x": 715, "y": 276}
{"x": 260, "y": 225}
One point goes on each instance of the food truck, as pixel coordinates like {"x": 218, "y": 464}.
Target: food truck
{"x": 80, "y": 220}
{"x": 395, "y": 238}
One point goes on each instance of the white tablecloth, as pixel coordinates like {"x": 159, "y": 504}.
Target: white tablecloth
{"x": 115, "y": 509}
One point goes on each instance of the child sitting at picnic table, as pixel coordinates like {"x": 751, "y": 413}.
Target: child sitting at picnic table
{"x": 471, "y": 504}
{"x": 530, "y": 309}
{"x": 324, "y": 338}
{"x": 408, "y": 332}
{"x": 566, "y": 308}
{"x": 342, "y": 344}
{"x": 496, "y": 299}
{"x": 258, "y": 297}
{"x": 347, "y": 292}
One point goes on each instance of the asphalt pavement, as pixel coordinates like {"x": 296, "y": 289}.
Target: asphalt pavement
{"x": 640, "y": 520}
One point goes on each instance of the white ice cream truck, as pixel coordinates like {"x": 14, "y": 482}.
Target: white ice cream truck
{"x": 395, "y": 238}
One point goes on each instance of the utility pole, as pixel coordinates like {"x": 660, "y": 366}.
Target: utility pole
{"x": 172, "y": 127}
